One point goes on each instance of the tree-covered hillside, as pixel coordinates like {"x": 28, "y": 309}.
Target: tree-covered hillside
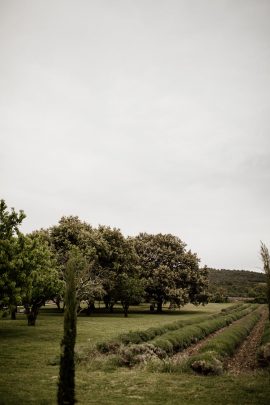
{"x": 236, "y": 283}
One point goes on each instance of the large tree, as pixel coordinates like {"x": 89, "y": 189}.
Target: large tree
{"x": 69, "y": 234}
{"x": 129, "y": 290}
{"x": 42, "y": 281}
{"x": 171, "y": 273}
{"x": 11, "y": 246}
{"x": 117, "y": 262}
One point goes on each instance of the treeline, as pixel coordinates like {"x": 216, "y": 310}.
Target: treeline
{"x": 236, "y": 283}
{"x": 110, "y": 267}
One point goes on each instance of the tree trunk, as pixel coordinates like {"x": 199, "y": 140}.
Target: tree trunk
{"x": 26, "y": 309}
{"x": 159, "y": 306}
{"x": 58, "y": 303}
{"x": 32, "y": 316}
{"x": 106, "y": 302}
{"x": 111, "y": 307}
{"x": 125, "y": 308}
{"x": 13, "y": 311}
{"x": 90, "y": 308}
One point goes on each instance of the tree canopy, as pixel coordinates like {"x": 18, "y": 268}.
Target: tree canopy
{"x": 157, "y": 268}
{"x": 170, "y": 272}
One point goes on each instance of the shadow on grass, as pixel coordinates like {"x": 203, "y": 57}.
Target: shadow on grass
{"x": 118, "y": 312}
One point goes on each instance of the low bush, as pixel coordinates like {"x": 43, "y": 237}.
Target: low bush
{"x": 221, "y": 346}
{"x": 137, "y": 337}
{"x": 133, "y": 354}
{"x": 264, "y": 349}
{"x": 174, "y": 341}
{"x": 233, "y": 307}
{"x": 178, "y": 340}
{"x": 208, "y": 364}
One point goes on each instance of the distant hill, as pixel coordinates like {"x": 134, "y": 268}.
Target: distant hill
{"x": 234, "y": 283}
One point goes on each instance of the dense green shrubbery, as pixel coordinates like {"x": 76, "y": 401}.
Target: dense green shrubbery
{"x": 234, "y": 307}
{"x": 264, "y": 349}
{"x": 210, "y": 357}
{"x": 177, "y": 340}
{"x": 180, "y": 339}
{"x": 137, "y": 337}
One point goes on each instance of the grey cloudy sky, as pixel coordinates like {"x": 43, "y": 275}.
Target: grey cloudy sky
{"x": 147, "y": 115}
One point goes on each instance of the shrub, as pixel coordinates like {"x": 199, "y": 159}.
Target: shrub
{"x": 108, "y": 347}
{"x": 137, "y": 337}
{"x": 180, "y": 339}
{"x": 264, "y": 349}
{"x": 233, "y": 308}
{"x": 210, "y": 364}
{"x": 222, "y": 346}
{"x": 133, "y": 354}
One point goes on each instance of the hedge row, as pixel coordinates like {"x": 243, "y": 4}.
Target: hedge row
{"x": 264, "y": 349}
{"x": 178, "y": 340}
{"x": 210, "y": 359}
{"x": 141, "y": 336}
{"x": 234, "y": 307}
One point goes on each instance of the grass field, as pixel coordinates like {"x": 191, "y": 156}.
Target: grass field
{"x": 27, "y": 377}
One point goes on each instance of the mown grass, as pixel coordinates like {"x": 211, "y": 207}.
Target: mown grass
{"x": 26, "y": 377}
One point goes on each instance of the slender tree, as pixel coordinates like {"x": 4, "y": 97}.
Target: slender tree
{"x": 266, "y": 266}
{"x": 66, "y": 385}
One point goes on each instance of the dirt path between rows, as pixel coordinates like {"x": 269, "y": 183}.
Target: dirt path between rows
{"x": 245, "y": 358}
{"x": 249, "y": 353}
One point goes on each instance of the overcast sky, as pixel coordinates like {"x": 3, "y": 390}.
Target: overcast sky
{"x": 146, "y": 115}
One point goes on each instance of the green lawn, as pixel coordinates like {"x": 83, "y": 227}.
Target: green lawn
{"x": 26, "y": 376}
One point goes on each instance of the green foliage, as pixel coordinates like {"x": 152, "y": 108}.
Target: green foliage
{"x": 27, "y": 268}
{"x": 119, "y": 267}
{"x": 266, "y": 334}
{"x": 181, "y": 338}
{"x": 11, "y": 280}
{"x": 128, "y": 290}
{"x": 71, "y": 233}
{"x": 134, "y": 354}
{"x": 171, "y": 274}
{"x": 259, "y": 293}
{"x": 208, "y": 364}
{"x": 181, "y": 335}
{"x": 42, "y": 282}
{"x": 232, "y": 283}
{"x": 264, "y": 349}
{"x": 66, "y": 385}
{"x": 222, "y": 346}
{"x": 266, "y": 267}
{"x": 140, "y": 336}
{"x": 25, "y": 354}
